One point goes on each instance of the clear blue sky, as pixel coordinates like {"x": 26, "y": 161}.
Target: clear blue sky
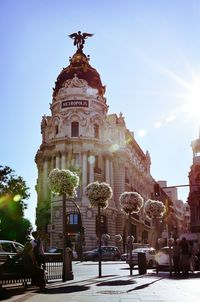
{"x": 147, "y": 53}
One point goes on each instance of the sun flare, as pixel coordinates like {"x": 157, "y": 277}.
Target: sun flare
{"x": 192, "y": 105}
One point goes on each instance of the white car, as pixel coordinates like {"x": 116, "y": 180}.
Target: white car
{"x": 150, "y": 254}
{"x": 9, "y": 248}
{"x": 162, "y": 258}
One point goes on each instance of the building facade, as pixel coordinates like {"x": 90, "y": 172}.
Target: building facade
{"x": 194, "y": 181}
{"x": 80, "y": 134}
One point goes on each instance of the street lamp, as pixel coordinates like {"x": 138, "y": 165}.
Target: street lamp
{"x": 170, "y": 242}
{"x": 131, "y": 202}
{"x": 98, "y": 195}
{"x": 63, "y": 182}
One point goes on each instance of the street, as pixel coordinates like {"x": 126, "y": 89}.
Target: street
{"x": 116, "y": 285}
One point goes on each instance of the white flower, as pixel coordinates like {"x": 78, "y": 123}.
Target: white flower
{"x": 154, "y": 208}
{"x": 105, "y": 237}
{"x": 118, "y": 238}
{"x": 98, "y": 194}
{"x": 130, "y": 239}
{"x": 63, "y": 182}
{"x": 131, "y": 202}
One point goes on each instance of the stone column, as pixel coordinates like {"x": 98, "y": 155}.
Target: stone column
{"x": 107, "y": 170}
{"x": 63, "y": 161}
{"x": 111, "y": 175}
{"x": 45, "y": 177}
{"x": 91, "y": 170}
{"x": 84, "y": 172}
{"x": 58, "y": 160}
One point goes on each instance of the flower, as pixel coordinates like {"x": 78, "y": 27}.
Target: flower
{"x": 130, "y": 239}
{"x": 118, "y": 238}
{"x": 98, "y": 194}
{"x": 105, "y": 237}
{"x": 131, "y": 202}
{"x": 154, "y": 208}
{"x": 63, "y": 182}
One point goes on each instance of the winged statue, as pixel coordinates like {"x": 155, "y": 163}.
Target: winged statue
{"x": 79, "y": 38}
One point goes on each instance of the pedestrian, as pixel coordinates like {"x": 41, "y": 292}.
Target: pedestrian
{"x": 30, "y": 266}
{"x": 38, "y": 249}
{"x": 176, "y": 257}
{"x": 185, "y": 264}
{"x": 192, "y": 256}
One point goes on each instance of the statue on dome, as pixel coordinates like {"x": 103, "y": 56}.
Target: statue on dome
{"x": 79, "y": 39}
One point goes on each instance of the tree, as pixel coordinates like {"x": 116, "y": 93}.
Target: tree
{"x": 13, "y": 193}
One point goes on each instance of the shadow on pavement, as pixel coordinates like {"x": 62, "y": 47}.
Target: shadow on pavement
{"x": 116, "y": 283}
{"x": 66, "y": 289}
{"x": 143, "y": 285}
{"x": 7, "y": 293}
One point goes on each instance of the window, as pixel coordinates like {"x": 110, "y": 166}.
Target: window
{"x": 72, "y": 218}
{"x": 74, "y": 129}
{"x": 96, "y": 131}
{"x": 56, "y": 129}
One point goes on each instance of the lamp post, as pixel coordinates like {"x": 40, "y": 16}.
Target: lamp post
{"x": 170, "y": 242}
{"x": 131, "y": 202}
{"x": 98, "y": 195}
{"x": 63, "y": 182}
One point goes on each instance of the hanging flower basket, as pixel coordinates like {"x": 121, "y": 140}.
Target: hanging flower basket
{"x": 98, "y": 194}
{"x": 131, "y": 202}
{"x": 154, "y": 208}
{"x": 105, "y": 237}
{"x": 63, "y": 182}
{"x": 130, "y": 239}
{"x": 118, "y": 238}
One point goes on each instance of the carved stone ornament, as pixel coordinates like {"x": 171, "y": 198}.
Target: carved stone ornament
{"x": 57, "y": 214}
{"x": 89, "y": 213}
{"x": 75, "y": 82}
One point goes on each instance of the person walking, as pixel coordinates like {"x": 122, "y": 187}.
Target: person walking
{"x": 176, "y": 257}
{"x": 192, "y": 257}
{"x": 38, "y": 249}
{"x": 30, "y": 266}
{"x": 184, "y": 247}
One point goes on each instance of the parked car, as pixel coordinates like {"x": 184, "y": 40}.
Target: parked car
{"x": 150, "y": 254}
{"x": 107, "y": 253}
{"x": 9, "y": 248}
{"x": 124, "y": 256}
{"x": 55, "y": 250}
{"x": 162, "y": 258}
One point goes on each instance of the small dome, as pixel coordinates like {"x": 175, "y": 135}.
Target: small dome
{"x": 79, "y": 65}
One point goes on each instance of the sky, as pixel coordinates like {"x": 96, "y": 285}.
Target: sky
{"x": 147, "y": 54}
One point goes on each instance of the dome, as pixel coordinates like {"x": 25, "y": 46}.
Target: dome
{"x": 79, "y": 65}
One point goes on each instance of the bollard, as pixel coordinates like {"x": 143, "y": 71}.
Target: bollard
{"x": 142, "y": 264}
{"x": 68, "y": 273}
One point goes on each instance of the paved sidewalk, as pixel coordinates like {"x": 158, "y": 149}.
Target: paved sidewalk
{"x": 113, "y": 288}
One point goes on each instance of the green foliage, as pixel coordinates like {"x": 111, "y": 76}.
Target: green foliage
{"x": 13, "y": 193}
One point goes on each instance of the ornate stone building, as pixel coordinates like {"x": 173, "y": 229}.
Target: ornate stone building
{"x": 194, "y": 194}
{"x": 80, "y": 133}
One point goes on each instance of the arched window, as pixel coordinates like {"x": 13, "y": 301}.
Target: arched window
{"x": 96, "y": 131}
{"x": 56, "y": 129}
{"x": 74, "y": 129}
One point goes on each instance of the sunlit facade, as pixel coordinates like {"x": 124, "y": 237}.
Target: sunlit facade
{"x": 194, "y": 194}
{"x": 81, "y": 134}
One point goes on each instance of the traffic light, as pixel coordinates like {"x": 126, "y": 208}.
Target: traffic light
{"x": 156, "y": 190}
